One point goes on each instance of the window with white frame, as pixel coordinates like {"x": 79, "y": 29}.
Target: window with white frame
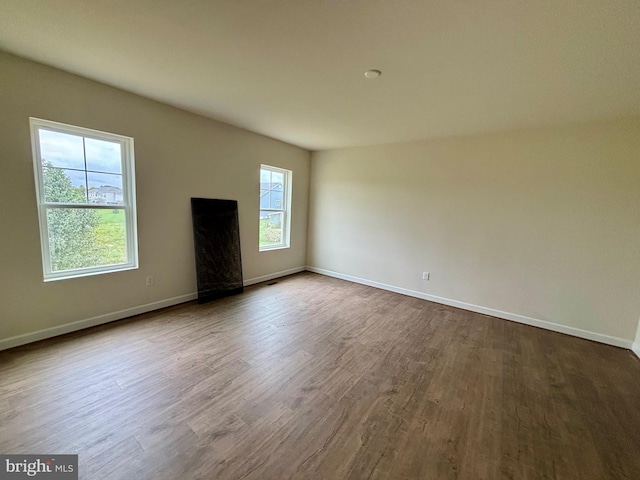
{"x": 275, "y": 211}
{"x": 85, "y": 188}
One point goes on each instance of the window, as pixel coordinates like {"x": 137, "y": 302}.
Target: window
{"x": 275, "y": 213}
{"x": 85, "y": 189}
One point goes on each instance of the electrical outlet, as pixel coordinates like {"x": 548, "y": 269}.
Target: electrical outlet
{"x": 149, "y": 280}
{"x": 425, "y": 275}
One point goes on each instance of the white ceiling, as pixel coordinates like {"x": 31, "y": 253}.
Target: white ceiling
{"x": 293, "y": 69}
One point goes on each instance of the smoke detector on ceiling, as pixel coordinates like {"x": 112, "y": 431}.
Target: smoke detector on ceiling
{"x": 372, "y": 73}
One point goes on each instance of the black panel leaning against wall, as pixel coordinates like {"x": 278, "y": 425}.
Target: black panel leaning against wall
{"x": 216, "y": 238}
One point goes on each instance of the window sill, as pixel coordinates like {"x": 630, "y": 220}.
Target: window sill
{"x": 71, "y": 274}
{"x": 273, "y": 247}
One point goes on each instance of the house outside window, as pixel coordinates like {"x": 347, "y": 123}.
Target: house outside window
{"x": 85, "y": 189}
{"x": 275, "y": 211}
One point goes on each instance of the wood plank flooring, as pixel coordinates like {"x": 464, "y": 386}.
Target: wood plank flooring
{"x": 318, "y": 378}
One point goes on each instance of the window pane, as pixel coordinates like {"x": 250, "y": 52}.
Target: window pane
{"x": 277, "y": 178}
{"x": 103, "y": 156}
{"x": 276, "y": 196}
{"x": 86, "y": 237}
{"x": 270, "y": 228}
{"x": 265, "y": 184}
{"x": 111, "y": 237}
{"x": 61, "y": 185}
{"x": 105, "y": 188}
{"x": 61, "y": 149}
{"x": 271, "y": 189}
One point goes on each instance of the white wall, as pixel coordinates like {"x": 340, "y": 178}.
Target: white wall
{"x": 178, "y": 155}
{"x": 636, "y": 344}
{"x": 539, "y": 223}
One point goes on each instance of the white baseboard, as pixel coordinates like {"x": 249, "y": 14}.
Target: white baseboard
{"x": 271, "y": 276}
{"x": 514, "y": 317}
{"x": 119, "y": 315}
{"x": 92, "y": 322}
{"x": 129, "y": 312}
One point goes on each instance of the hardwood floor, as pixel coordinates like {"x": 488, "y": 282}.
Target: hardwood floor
{"x": 318, "y": 378}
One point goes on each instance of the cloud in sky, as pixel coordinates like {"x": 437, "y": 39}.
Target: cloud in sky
{"x": 68, "y": 151}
